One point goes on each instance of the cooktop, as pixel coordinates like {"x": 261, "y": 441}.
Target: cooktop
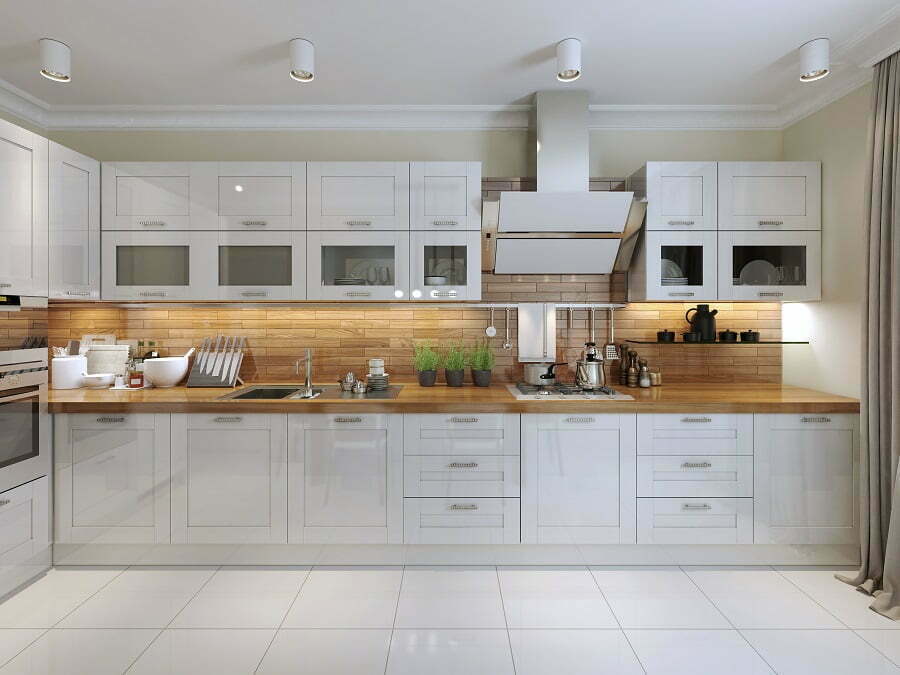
{"x": 564, "y": 392}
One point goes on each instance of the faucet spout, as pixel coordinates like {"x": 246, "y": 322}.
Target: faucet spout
{"x": 307, "y": 380}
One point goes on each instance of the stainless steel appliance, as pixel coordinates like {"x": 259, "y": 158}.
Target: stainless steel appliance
{"x": 541, "y": 374}
{"x": 564, "y": 392}
{"x": 589, "y": 373}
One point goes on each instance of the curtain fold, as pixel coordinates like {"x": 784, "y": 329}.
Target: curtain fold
{"x": 879, "y": 575}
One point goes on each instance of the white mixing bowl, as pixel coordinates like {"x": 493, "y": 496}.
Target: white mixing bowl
{"x": 167, "y": 371}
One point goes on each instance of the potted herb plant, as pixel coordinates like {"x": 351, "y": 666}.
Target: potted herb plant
{"x": 455, "y": 364}
{"x": 426, "y": 362}
{"x": 482, "y": 362}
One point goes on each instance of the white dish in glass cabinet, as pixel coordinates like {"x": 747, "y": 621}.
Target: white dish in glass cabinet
{"x": 445, "y": 265}
{"x": 773, "y": 266}
{"x": 357, "y": 265}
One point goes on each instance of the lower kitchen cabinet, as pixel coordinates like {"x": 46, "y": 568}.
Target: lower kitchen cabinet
{"x": 466, "y": 520}
{"x": 112, "y": 478}
{"x": 346, "y": 479}
{"x": 707, "y": 520}
{"x": 24, "y": 533}
{"x": 229, "y": 478}
{"x": 578, "y": 479}
{"x": 805, "y": 479}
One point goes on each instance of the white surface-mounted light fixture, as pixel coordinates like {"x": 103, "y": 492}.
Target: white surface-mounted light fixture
{"x": 303, "y": 60}
{"x": 56, "y": 60}
{"x": 814, "y": 60}
{"x": 568, "y": 60}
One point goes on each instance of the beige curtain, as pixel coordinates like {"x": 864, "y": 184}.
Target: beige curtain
{"x": 880, "y": 413}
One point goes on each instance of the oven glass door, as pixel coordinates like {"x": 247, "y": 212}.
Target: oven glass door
{"x": 19, "y": 425}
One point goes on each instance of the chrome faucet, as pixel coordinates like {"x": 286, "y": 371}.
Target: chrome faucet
{"x": 307, "y": 382}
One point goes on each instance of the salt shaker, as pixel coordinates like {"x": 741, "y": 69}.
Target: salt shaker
{"x": 644, "y": 375}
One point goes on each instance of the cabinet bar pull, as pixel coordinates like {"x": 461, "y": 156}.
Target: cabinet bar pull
{"x": 702, "y": 420}
{"x": 254, "y": 294}
{"x": 153, "y": 223}
{"x": 153, "y": 294}
{"x": 4, "y": 502}
{"x": 696, "y": 465}
{"x": 695, "y": 507}
{"x": 445, "y": 223}
{"x": 580, "y": 420}
{"x": 770, "y": 294}
{"x": 358, "y": 294}
{"x": 110, "y": 420}
{"x": 254, "y": 223}
{"x": 771, "y": 223}
{"x": 5, "y": 285}
{"x": 463, "y": 507}
{"x": 681, "y": 295}
{"x": 463, "y": 420}
{"x": 348, "y": 420}
{"x": 443, "y": 294}
{"x": 235, "y": 418}
{"x": 815, "y": 420}
{"x": 359, "y": 223}
{"x": 681, "y": 222}
{"x": 79, "y": 293}
{"x": 462, "y": 465}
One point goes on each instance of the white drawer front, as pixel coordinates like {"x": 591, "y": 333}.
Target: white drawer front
{"x": 461, "y": 476}
{"x": 695, "y": 521}
{"x": 468, "y": 520}
{"x": 695, "y": 476}
{"x": 346, "y": 421}
{"x": 114, "y": 420}
{"x": 225, "y": 420}
{"x": 578, "y": 421}
{"x": 695, "y": 433}
{"x": 491, "y": 434}
{"x": 814, "y": 421}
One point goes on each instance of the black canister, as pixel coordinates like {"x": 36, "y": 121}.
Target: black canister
{"x": 727, "y": 336}
{"x": 665, "y": 336}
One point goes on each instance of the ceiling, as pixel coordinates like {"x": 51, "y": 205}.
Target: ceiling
{"x": 204, "y": 53}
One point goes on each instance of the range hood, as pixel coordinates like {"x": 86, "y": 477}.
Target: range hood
{"x": 563, "y": 228}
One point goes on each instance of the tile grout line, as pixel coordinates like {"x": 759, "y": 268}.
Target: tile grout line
{"x": 618, "y": 623}
{"x": 387, "y": 657}
{"x": 80, "y": 604}
{"x": 512, "y": 656}
{"x": 284, "y": 618}
{"x": 44, "y": 631}
{"x": 862, "y": 637}
{"x": 828, "y": 611}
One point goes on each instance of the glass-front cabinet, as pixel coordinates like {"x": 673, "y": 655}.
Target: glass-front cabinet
{"x": 771, "y": 266}
{"x": 676, "y": 266}
{"x": 261, "y": 265}
{"x": 357, "y": 265}
{"x": 445, "y": 265}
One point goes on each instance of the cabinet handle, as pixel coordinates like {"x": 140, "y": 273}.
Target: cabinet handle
{"x": 682, "y": 295}
{"x": 770, "y": 294}
{"x": 152, "y": 294}
{"x": 696, "y": 465}
{"x": 254, "y": 223}
{"x": 771, "y": 223}
{"x": 696, "y": 507}
{"x": 463, "y": 507}
{"x": 153, "y": 223}
{"x": 443, "y": 294}
{"x": 579, "y": 420}
{"x": 235, "y": 418}
{"x": 462, "y": 465}
{"x": 4, "y": 502}
{"x": 110, "y": 420}
{"x": 359, "y": 223}
{"x": 463, "y": 420}
{"x": 5, "y": 285}
{"x": 254, "y": 294}
{"x": 702, "y": 420}
{"x": 445, "y": 223}
{"x": 681, "y": 222}
{"x": 78, "y": 293}
{"x": 815, "y": 420}
{"x": 348, "y": 420}
{"x": 358, "y": 294}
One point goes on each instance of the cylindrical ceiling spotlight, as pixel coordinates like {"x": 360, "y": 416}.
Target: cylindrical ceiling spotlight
{"x": 303, "y": 60}
{"x": 814, "y": 60}
{"x": 568, "y": 60}
{"x": 56, "y": 60}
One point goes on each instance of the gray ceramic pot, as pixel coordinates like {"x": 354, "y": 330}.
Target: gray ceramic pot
{"x": 454, "y": 378}
{"x": 427, "y": 378}
{"x": 481, "y": 378}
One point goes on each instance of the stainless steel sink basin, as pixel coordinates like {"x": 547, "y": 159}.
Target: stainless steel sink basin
{"x": 280, "y": 392}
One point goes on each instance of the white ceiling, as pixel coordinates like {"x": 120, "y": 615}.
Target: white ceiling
{"x": 429, "y": 52}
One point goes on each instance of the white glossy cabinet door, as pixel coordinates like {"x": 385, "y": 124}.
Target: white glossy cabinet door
{"x": 770, "y": 195}
{"x": 111, "y": 478}
{"x": 357, "y": 196}
{"x": 346, "y": 479}
{"x": 24, "y": 533}
{"x": 158, "y": 196}
{"x": 805, "y": 479}
{"x": 23, "y": 211}
{"x": 445, "y": 195}
{"x": 445, "y": 265}
{"x": 254, "y": 196}
{"x": 578, "y": 479}
{"x": 681, "y": 196}
{"x": 357, "y": 265}
{"x": 770, "y": 266}
{"x": 678, "y": 266}
{"x": 229, "y": 478}
{"x": 74, "y": 225}
{"x": 261, "y": 266}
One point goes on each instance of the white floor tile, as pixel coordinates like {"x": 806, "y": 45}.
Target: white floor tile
{"x": 231, "y": 610}
{"x": 14, "y": 640}
{"x": 77, "y": 652}
{"x": 822, "y": 652}
{"x": 332, "y": 608}
{"x": 450, "y": 580}
{"x": 689, "y": 652}
{"x": 449, "y": 652}
{"x": 127, "y": 609}
{"x": 327, "y": 652}
{"x": 885, "y": 641}
{"x": 643, "y": 580}
{"x": 573, "y": 652}
{"x": 161, "y": 579}
{"x": 558, "y": 610}
{"x": 450, "y": 610}
{"x": 546, "y": 580}
{"x": 50, "y": 598}
{"x": 190, "y": 652}
{"x": 356, "y": 579}
{"x": 842, "y": 600}
{"x": 239, "y": 580}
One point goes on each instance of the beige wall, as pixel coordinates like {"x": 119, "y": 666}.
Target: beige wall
{"x": 837, "y": 136}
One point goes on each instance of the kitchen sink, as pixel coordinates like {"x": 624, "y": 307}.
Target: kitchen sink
{"x": 269, "y": 392}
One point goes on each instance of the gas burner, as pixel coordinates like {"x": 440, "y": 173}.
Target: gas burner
{"x": 562, "y": 391}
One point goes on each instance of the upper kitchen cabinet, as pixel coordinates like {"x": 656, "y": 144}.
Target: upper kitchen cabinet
{"x": 445, "y": 265}
{"x": 770, "y": 266}
{"x": 261, "y": 265}
{"x": 357, "y": 196}
{"x": 262, "y": 196}
{"x": 445, "y": 195}
{"x": 23, "y": 211}
{"x": 770, "y": 195}
{"x": 357, "y": 265}
{"x": 680, "y": 195}
{"x": 155, "y": 196}
{"x": 74, "y": 225}
{"x": 674, "y": 266}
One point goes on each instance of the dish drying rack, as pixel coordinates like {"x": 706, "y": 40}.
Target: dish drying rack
{"x": 218, "y": 363}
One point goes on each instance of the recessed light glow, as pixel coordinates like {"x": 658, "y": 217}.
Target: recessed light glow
{"x": 303, "y": 60}
{"x": 398, "y": 293}
{"x": 56, "y": 60}
{"x": 417, "y": 293}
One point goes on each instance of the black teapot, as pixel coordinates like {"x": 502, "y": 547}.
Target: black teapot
{"x": 703, "y": 321}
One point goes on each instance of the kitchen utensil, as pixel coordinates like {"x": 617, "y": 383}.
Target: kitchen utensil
{"x": 589, "y": 375}
{"x": 749, "y": 336}
{"x": 691, "y": 337}
{"x": 218, "y": 363}
{"x": 359, "y": 387}
{"x": 540, "y": 374}
{"x": 758, "y": 273}
{"x": 665, "y": 336}
{"x": 610, "y": 352}
{"x": 491, "y": 331}
{"x": 727, "y": 336}
{"x": 167, "y": 371}
{"x": 68, "y": 371}
{"x": 73, "y": 347}
{"x": 435, "y": 281}
{"x": 347, "y": 381}
{"x": 98, "y": 380}
{"x": 507, "y": 344}
{"x": 623, "y": 363}
{"x": 703, "y": 322}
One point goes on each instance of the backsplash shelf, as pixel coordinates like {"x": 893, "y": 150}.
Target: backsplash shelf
{"x": 726, "y": 344}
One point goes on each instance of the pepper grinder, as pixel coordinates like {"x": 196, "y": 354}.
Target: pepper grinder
{"x": 633, "y": 370}
{"x": 623, "y": 364}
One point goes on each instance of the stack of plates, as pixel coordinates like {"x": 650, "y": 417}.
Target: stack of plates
{"x": 674, "y": 281}
{"x": 349, "y": 281}
{"x": 377, "y": 382}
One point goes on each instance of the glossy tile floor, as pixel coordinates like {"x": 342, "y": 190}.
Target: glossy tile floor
{"x": 430, "y": 620}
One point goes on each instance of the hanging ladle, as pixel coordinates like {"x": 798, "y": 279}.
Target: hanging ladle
{"x": 507, "y": 344}
{"x": 491, "y": 330}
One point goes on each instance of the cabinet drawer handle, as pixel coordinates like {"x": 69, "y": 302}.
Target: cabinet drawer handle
{"x": 771, "y": 223}
{"x": 681, "y": 222}
{"x": 445, "y": 223}
{"x": 682, "y": 295}
{"x": 153, "y": 223}
{"x": 78, "y": 293}
{"x": 696, "y": 465}
{"x": 463, "y": 420}
{"x": 770, "y": 294}
{"x": 254, "y": 223}
{"x": 359, "y": 223}
{"x": 4, "y": 502}
{"x": 358, "y": 294}
{"x": 152, "y": 294}
{"x": 701, "y": 420}
{"x": 696, "y": 507}
{"x": 463, "y": 507}
{"x": 579, "y": 420}
{"x": 5, "y": 285}
{"x": 462, "y": 465}
{"x": 235, "y": 418}
{"x": 443, "y": 294}
{"x": 348, "y": 420}
{"x": 254, "y": 294}
{"x": 816, "y": 420}
{"x": 110, "y": 420}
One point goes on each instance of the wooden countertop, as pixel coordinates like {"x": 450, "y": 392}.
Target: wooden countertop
{"x": 670, "y": 398}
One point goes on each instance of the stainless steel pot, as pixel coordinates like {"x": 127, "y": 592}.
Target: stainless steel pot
{"x": 589, "y": 374}
{"x": 541, "y": 373}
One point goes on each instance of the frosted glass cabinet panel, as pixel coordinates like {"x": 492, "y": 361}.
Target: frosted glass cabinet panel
{"x": 74, "y": 225}
{"x": 357, "y": 265}
{"x": 445, "y": 265}
{"x": 770, "y": 266}
{"x": 261, "y": 265}
{"x": 445, "y": 195}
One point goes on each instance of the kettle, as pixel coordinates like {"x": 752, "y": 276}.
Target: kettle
{"x": 589, "y": 373}
{"x": 703, "y": 321}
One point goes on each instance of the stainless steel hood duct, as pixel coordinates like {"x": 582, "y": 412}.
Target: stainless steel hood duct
{"x": 563, "y": 228}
